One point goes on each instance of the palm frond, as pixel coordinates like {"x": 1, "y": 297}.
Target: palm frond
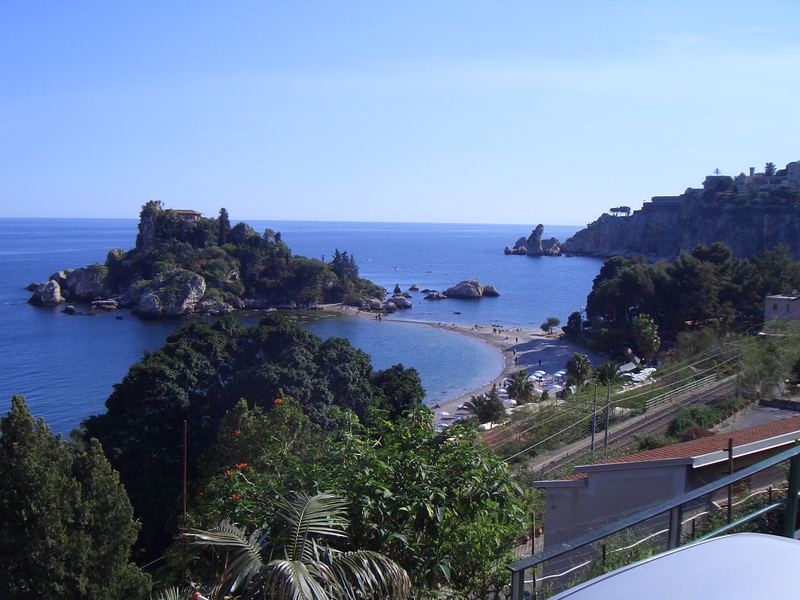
{"x": 372, "y": 575}
{"x": 245, "y": 550}
{"x": 174, "y": 593}
{"x": 316, "y": 516}
{"x": 298, "y": 580}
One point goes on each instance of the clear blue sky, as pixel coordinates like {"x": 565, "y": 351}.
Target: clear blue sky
{"x": 499, "y": 111}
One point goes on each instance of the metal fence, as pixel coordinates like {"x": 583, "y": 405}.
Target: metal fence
{"x": 668, "y": 521}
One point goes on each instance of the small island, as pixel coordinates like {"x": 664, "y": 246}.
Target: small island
{"x": 186, "y": 264}
{"x": 534, "y": 245}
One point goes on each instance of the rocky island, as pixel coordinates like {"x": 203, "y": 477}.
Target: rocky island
{"x": 748, "y": 213}
{"x": 186, "y": 264}
{"x": 534, "y": 245}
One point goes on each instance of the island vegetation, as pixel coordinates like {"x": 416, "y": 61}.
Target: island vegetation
{"x": 184, "y": 263}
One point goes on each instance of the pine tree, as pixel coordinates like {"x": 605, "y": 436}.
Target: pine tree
{"x": 66, "y": 525}
{"x": 224, "y": 227}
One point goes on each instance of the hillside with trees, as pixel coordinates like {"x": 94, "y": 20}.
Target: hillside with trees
{"x": 635, "y": 303}
{"x": 275, "y": 415}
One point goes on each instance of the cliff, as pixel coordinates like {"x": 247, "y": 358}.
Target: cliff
{"x": 747, "y": 222}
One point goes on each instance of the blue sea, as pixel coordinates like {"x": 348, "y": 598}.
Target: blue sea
{"x": 66, "y": 366}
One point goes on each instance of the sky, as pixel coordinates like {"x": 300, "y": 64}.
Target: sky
{"x": 468, "y": 112}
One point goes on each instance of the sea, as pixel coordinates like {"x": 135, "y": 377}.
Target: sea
{"x": 66, "y": 366}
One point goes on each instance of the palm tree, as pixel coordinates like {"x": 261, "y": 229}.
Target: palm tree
{"x": 487, "y": 408}
{"x": 608, "y": 373}
{"x": 579, "y": 369}
{"x": 299, "y": 565}
{"x": 520, "y": 387}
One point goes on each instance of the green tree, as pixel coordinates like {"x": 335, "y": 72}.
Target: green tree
{"x": 520, "y": 387}
{"x": 645, "y": 332}
{"x": 549, "y": 324}
{"x": 401, "y": 389}
{"x": 302, "y": 563}
{"x": 579, "y": 369}
{"x": 486, "y": 408}
{"x": 224, "y": 227}
{"x": 415, "y": 494}
{"x": 769, "y": 169}
{"x": 608, "y": 373}
{"x": 573, "y": 327}
{"x": 66, "y": 526}
{"x": 202, "y": 372}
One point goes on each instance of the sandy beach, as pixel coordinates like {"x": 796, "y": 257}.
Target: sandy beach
{"x": 522, "y": 348}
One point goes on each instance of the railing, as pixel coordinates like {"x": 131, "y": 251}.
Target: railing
{"x": 674, "y": 508}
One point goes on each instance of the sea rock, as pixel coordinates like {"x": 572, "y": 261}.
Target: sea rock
{"x": 551, "y": 247}
{"x": 115, "y": 255}
{"x": 389, "y": 306}
{"x": 32, "y": 287}
{"x": 373, "y": 304}
{"x": 214, "y": 308}
{"x": 433, "y": 295}
{"x": 107, "y": 304}
{"x": 47, "y": 294}
{"x": 534, "y": 245}
{"x": 401, "y": 301}
{"x": 428, "y": 291}
{"x": 87, "y": 283}
{"x": 414, "y": 287}
{"x": 60, "y": 276}
{"x": 70, "y": 310}
{"x": 468, "y": 289}
{"x": 397, "y": 289}
{"x": 173, "y": 295}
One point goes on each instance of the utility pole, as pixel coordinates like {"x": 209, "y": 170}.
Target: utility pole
{"x": 608, "y": 419}
{"x": 594, "y": 417}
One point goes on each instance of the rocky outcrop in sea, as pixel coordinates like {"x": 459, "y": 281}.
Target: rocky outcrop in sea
{"x": 471, "y": 289}
{"x": 534, "y": 245}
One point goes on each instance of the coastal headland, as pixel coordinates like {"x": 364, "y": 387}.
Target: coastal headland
{"x": 527, "y": 348}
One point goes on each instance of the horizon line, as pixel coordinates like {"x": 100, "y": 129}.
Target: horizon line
{"x": 246, "y": 220}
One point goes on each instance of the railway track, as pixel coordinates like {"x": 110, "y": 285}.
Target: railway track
{"x": 658, "y": 423}
{"x": 622, "y": 436}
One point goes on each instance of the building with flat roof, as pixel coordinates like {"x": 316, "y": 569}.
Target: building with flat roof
{"x": 610, "y": 489}
{"x": 185, "y": 215}
{"x": 781, "y": 306}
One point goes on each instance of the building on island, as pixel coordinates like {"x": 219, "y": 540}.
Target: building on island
{"x": 184, "y": 215}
